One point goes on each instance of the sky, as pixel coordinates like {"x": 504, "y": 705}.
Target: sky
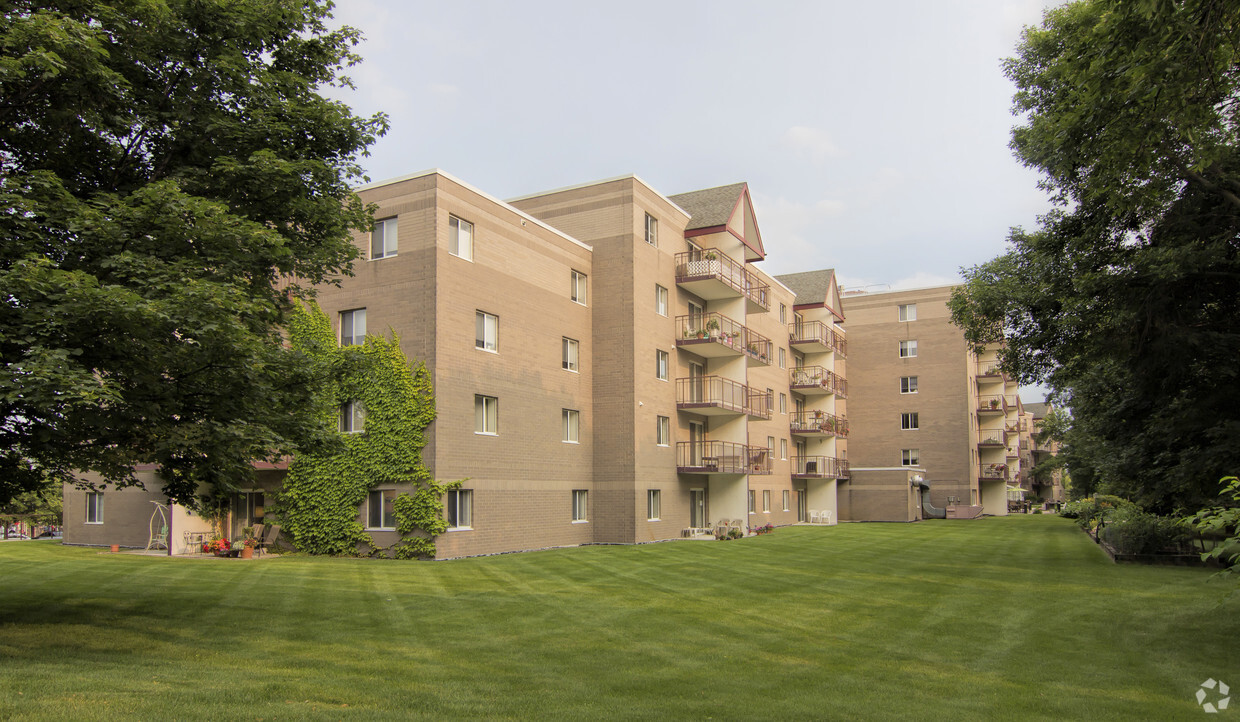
{"x": 873, "y": 135}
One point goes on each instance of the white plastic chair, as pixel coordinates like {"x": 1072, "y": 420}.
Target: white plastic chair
{"x": 813, "y": 516}
{"x": 826, "y": 517}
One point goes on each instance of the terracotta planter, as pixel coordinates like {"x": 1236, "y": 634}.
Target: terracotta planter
{"x": 247, "y": 553}
{"x": 116, "y": 548}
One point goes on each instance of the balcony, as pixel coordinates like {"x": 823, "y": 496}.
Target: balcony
{"x": 988, "y": 371}
{"x": 991, "y": 472}
{"x": 993, "y": 438}
{"x": 816, "y": 337}
{"x": 818, "y": 423}
{"x": 719, "y": 396}
{"x": 819, "y": 467}
{"x": 712, "y": 275}
{"x": 721, "y": 457}
{"x": 992, "y": 404}
{"x": 817, "y": 381}
{"x": 713, "y": 335}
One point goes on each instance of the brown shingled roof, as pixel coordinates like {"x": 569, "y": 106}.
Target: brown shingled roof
{"x": 710, "y": 207}
{"x": 809, "y": 286}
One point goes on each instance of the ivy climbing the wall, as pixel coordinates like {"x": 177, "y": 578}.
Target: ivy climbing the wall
{"x": 323, "y": 492}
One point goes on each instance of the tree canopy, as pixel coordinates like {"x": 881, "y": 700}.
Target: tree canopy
{"x": 1125, "y": 300}
{"x": 172, "y": 181}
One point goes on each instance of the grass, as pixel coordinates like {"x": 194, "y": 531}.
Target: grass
{"x": 1016, "y": 618}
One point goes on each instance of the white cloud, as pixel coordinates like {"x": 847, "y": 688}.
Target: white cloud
{"x": 815, "y": 142}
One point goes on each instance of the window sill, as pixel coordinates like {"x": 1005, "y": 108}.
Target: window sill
{"x": 380, "y": 258}
{"x": 463, "y": 258}
{"x": 459, "y": 528}
{"x": 485, "y": 433}
{"x": 93, "y": 523}
{"x": 581, "y": 521}
{"x": 380, "y": 528}
{"x": 654, "y": 519}
{"x": 488, "y": 350}
{"x": 574, "y": 443}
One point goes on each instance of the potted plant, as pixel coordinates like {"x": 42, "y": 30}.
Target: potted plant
{"x": 994, "y": 403}
{"x": 712, "y": 256}
{"x": 712, "y": 326}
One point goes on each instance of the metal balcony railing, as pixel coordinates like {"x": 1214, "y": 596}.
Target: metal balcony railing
{"x": 721, "y": 457}
{"x": 818, "y": 422}
{"x": 819, "y": 467}
{"x": 817, "y": 333}
{"x": 696, "y": 266}
{"x": 817, "y": 378}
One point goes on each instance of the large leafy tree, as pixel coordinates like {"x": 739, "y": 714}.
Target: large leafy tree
{"x": 1126, "y": 300}
{"x": 171, "y": 180}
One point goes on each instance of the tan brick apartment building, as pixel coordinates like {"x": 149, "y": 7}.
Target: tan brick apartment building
{"x": 923, "y": 400}
{"x": 609, "y": 366}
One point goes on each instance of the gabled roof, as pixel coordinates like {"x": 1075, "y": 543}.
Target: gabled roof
{"x": 723, "y": 209}
{"x": 815, "y": 289}
{"x": 1038, "y": 409}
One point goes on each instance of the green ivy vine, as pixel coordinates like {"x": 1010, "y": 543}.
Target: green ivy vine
{"x": 323, "y": 490}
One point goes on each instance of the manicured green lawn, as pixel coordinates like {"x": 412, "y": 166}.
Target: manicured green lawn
{"x": 1011, "y": 618}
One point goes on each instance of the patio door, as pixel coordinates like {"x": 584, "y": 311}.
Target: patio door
{"x": 697, "y": 440}
{"x": 697, "y": 508}
{"x": 801, "y": 515}
{"x": 247, "y": 511}
{"x": 697, "y": 394}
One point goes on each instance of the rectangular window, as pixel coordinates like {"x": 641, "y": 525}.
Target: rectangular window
{"x": 752, "y": 505}
{"x": 577, "y": 289}
{"x": 569, "y": 348}
{"x": 352, "y": 417}
{"x": 353, "y": 327}
{"x": 572, "y": 424}
{"x": 661, "y": 363}
{"x": 660, "y": 300}
{"x": 908, "y": 349}
{"x": 783, "y": 359}
{"x": 770, "y": 443}
{"x": 486, "y": 331}
{"x": 783, "y": 313}
{"x": 787, "y": 498}
{"x": 653, "y": 504}
{"x": 460, "y": 509}
{"x": 663, "y": 431}
{"x": 383, "y": 239}
{"x": 908, "y": 421}
{"x": 486, "y": 414}
{"x": 910, "y": 457}
{"x": 908, "y": 384}
{"x": 783, "y": 403}
{"x": 94, "y": 507}
{"x": 652, "y": 230}
{"x": 381, "y": 509}
{"x": 907, "y": 312}
{"x": 460, "y": 238}
{"x": 766, "y": 501}
{"x": 783, "y": 449}
{"x": 580, "y": 504}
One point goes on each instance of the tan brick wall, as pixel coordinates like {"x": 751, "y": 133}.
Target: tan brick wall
{"x": 945, "y": 438}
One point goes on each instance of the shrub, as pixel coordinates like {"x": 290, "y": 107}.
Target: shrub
{"x": 1132, "y": 531}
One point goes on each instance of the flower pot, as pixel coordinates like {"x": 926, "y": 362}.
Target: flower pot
{"x": 247, "y": 553}
{"x": 116, "y": 548}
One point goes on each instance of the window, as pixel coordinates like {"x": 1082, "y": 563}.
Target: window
{"x": 569, "y": 361}
{"x": 663, "y": 431}
{"x": 783, "y": 359}
{"x": 770, "y": 443}
{"x": 907, "y": 311}
{"x": 910, "y": 457}
{"x": 783, "y": 313}
{"x": 486, "y": 414}
{"x": 352, "y": 417}
{"x": 460, "y": 509}
{"x": 766, "y": 501}
{"x": 94, "y": 507}
{"x": 908, "y": 349}
{"x": 572, "y": 424}
{"x": 486, "y": 331}
{"x": 751, "y": 501}
{"x": 580, "y": 503}
{"x": 460, "y": 238}
{"x": 383, "y": 239}
{"x": 653, "y": 502}
{"x": 787, "y": 498}
{"x": 660, "y": 300}
{"x": 783, "y": 403}
{"x": 353, "y": 327}
{"x": 381, "y": 509}
{"x": 577, "y": 290}
{"x": 908, "y": 421}
{"x": 652, "y": 230}
{"x": 783, "y": 450}
{"x": 661, "y": 362}
{"x": 908, "y": 384}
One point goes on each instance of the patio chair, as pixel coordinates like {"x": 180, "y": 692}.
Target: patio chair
{"x": 813, "y": 516}
{"x": 826, "y": 516}
{"x": 270, "y": 535}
